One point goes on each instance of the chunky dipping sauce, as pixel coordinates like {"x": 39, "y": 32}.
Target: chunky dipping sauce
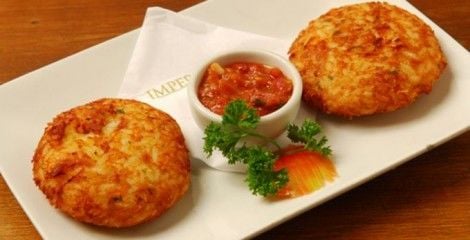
{"x": 263, "y": 88}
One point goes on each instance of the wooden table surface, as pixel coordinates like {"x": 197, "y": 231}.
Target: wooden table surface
{"x": 426, "y": 198}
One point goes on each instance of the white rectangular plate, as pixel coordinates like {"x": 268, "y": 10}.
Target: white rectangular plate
{"x": 218, "y": 204}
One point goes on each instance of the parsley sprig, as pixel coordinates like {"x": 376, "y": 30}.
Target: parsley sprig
{"x": 306, "y": 134}
{"x": 238, "y": 123}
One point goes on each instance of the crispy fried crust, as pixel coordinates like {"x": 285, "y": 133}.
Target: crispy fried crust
{"x": 366, "y": 58}
{"x": 112, "y": 162}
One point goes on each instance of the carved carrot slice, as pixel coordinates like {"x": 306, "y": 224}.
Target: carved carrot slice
{"x": 307, "y": 171}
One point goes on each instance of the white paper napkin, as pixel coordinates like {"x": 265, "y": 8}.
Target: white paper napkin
{"x": 168, "y": 51}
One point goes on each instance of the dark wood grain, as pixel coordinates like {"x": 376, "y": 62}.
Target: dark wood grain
{"x": 426, "y": 198}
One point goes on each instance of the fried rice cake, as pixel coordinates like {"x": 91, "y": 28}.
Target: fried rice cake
{"x": 112, "y": 162}
{"x": 366, "y": 58}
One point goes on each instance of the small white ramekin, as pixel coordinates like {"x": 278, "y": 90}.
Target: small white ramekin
{"x": 272, "y": 124}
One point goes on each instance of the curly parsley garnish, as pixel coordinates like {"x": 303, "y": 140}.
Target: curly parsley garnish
{"x": 239, "y": 122}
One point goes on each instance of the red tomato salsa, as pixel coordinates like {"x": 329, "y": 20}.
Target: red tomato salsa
{"x": 263, "y": 88}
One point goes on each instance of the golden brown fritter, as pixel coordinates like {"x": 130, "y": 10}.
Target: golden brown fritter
{"x": 112, "y": 162}
{"x": 366, "y": 58}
